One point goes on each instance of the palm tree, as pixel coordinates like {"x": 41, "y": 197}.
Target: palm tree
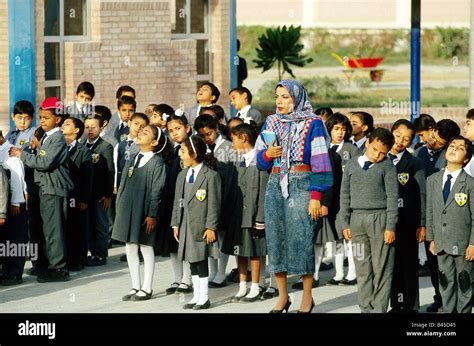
{"x": 281, "y": 45}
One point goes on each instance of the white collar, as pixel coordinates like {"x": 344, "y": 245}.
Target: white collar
{"x": 363, "y": 159}
{"x": 219, "y": 141}
{"x": 93, "y": 142}
{"x": 249, "y": 156}
{"x": 196, "y": 169}
{"x": 51, "y": 132}
{"x": 360, "y": 142}
{"x": 79, "y": 106}
{"x": 339, "y": 146}
{"x": 454, "y": 174}
{"x": 73, "y": 144}
{"x": 243, "y": 112}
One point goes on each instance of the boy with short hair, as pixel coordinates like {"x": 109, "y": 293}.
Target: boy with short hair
{"x": 450, "y": 226}
{"x": 81, "y": 170}
{"x": 207, "y": 95}
{"x": 241, "y": 99}
{"x": 411, "y": 218}
{"x": 433, "y": 156}
{"x": 22, "y": 116}
{"x": 116, "y": 119}
{"x": 82, "y": 107}
{"x": 102, "y": 188}
{"x": 52, "y": 175}
{"x": 368, "y": 216}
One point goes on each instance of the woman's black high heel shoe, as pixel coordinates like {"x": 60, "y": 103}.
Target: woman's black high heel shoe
{"x": 285, "y": 308}
{"x": 307, "y": 312}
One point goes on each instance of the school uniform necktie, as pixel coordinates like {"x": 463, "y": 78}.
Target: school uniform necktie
{"x": 121, "y": 127}
{"x": 43, "y": 138}
{"x": 191, "y": 177}
{"x": 392, "y": 157}
{"x": 367, "y": 164}
{"x": 137, "y": 162}
{"x": 242, "y": 162}
{"x": 177, "y": 149}
{"x": 212, "y": 147}
{"x": 13, "y": 137}
{"x": 447, "y": 187}
{"x": 129, "y": 142}
{"x": 238, "y": 115}
{"x": 334, "y": 148}
{"x": 89, "y": 145}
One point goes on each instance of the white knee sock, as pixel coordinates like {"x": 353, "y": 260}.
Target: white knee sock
{"x": 203, "y": 290}
{"x": 133, "y": 264}
{"x": 148, "y": 267}
{"x": 338, "y": 250}
{"x": 222, "y": 266}
{"x": 212, "y": 268}
{"x": 318, "y": 257}
{"x": 263, "y": 271}
{"x": 242, "y": 289}
{"x": 177, "y": 267}
{"x": 186, "y": 278}
{"x": 196, "y": 289}
{"x": 351, "y": 272}
{"x": 254, "y": 291}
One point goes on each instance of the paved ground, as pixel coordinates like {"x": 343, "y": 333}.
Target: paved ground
{"x": 100, "y": 290}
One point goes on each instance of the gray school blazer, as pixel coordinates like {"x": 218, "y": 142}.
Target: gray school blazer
{"x": 51, "y": 165}
{"x": 4, "y": 193}
{"x": 203, "y": 204}
{"x": 450, "y": 225}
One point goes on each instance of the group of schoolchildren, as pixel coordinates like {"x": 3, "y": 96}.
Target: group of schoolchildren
{"x": 185, "y": 185}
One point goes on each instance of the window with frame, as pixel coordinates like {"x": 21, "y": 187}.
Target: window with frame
{"x": 64, "y": 20}
{"x": 191, "y": 19}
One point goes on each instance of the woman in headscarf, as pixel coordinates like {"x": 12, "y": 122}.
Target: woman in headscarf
{"x": 293, "y": 144}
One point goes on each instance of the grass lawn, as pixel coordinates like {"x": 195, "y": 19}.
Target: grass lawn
{"x": 372, "y": 97}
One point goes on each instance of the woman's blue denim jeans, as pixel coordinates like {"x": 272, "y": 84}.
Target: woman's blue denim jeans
{"x": 290, "y": 231}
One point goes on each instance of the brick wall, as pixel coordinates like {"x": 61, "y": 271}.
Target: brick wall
{"x": 131, "y": 44}
{"x": 220, "y": 12}
{"x": 4, "y": 72}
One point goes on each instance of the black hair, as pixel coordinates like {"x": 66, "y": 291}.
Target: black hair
{"x": 218, "y": 111}
{"x": 424, "y": 122}
{"x": 238, "y": 45}
{"x": 240, "y": 120}
{"x": 96, "y": 116}
{"x": 104, "y": 112}
{"x": 24, "y": 107}
{"x": 245, "y": 130}
{"x": 126, "y": 100}
{"x": 470, "y": 114}
{"x": 367, "y": 119}
{"x": 206, "y": 120}
{"x": 243, "y": 90}
{"x": 339, "y": 118}
{"x": 78, "y": 124}
{"x": 200, "y": 151}
{"x": 324, "y": 111}
{"x": 447, "y": 129}
{"x": 164, "y": 147}
{"x": 408, "y": 124}
{"x": 124, "y": 89}
{"x": 214, "y": 90}
{"x": 383, "y": 135}
{"x": 467, "y": 144}
{"x": 141, "y": 116}
{"x": 87, "y": 88}
{"x": 163, "y": 108}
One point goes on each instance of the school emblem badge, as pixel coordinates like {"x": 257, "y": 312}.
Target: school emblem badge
{"x": 42, "y": 152}
{"x": 460, "y": 198}
{"x": 95, "y": 158}
{"x": 130, "y": 172}
{"x": 403, "y": 178}
{"x": 201, "y": 195}
{"x": 123, "y": 137}
{"x": 22, "y": 142}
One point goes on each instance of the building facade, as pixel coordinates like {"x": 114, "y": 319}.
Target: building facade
{"x": 163, "y": 48}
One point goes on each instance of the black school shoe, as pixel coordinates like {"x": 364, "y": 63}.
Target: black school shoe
{"x": 345, "y": 282}
{"x": 213, "y": 284}
{"x": 204, "y": 306}
{"x": 271, "y": 292}
{"x": 53, "y": 275}
{"x": 11, "y": 281}
{"x": 96, "y": 261}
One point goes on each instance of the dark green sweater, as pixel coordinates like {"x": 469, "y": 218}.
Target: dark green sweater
{"x": 374, "y": 189}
